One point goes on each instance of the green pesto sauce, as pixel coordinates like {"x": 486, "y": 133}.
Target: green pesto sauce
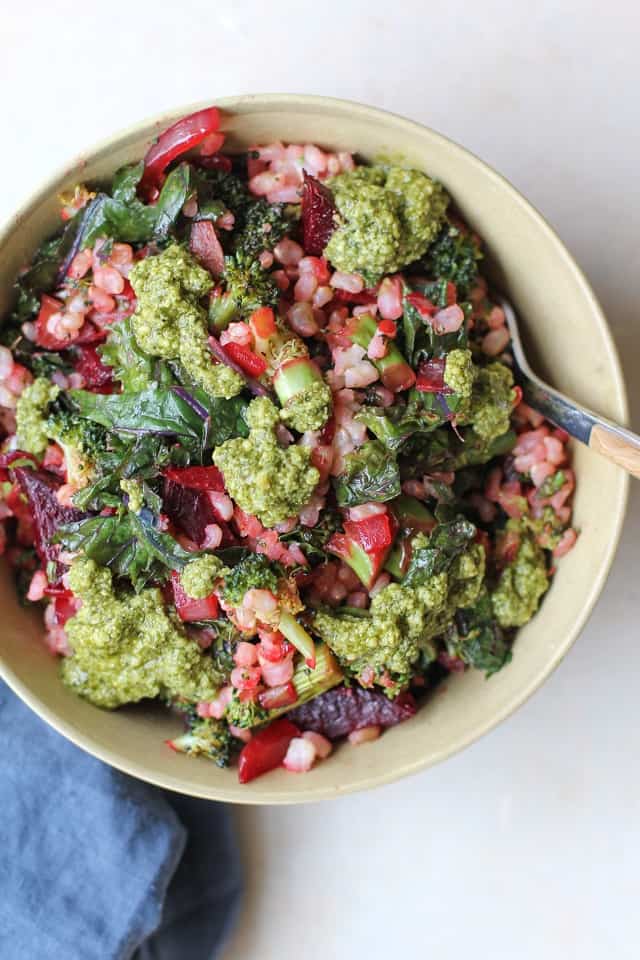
{"x": 522, "y": 583}
{"x": 271, "y": 482}
{"x": 31, "y": 415}
{"x": 388, "y": 217}
{"x": 199, "y": 577}
{"x": 310, "y": 408}
{"x": 403, "y": 620}
{"x": 127, "y": 648}
{"x": 459, "y": 372}
{"x": 492, "y": 401}
{"x": 170, "y": 323}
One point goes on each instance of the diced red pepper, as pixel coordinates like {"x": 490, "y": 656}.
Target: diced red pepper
{"x": 388, "y": 328}
{"x": 190, "y": 609}
{"x": 275, "y": 698}
{"x": 206, "y": 248}
{"x": 247, "y": 360}
{"x": 372, "y": 533}
{"x": 266, "y": 750}
{"x": 422, "y": 304}
{"x": 65, "y": 606}
{"x": 263, "y": 323}
{"x": 181, "y": 136}
{"x": 196, "y": 478}
{"x": 451, "y": 294}
{"x": 430, "y": 377}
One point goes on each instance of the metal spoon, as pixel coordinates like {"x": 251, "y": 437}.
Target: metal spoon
{"x": 608, "y": 439}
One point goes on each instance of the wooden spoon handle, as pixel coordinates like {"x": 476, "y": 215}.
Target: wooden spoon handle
{"x": 623, "y": 450}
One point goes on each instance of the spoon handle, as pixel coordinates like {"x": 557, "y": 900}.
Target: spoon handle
{"x": 623, "y": 450}
{"x": 610, "y": 440}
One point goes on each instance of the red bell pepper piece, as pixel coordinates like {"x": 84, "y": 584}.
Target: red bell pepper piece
{"x": 372, "y": 533}
{"x": 263, "y": 323}
{"x": 181, "y": 136}
{"x": 430, "y": 377}
{"x": 266, "y": 750}
{"x": 366, "y": 564}
{"x": 247, "y": 360}
{"x": 196, "y": 478}
{"x": 206, "y": 248}
{"x": 190, "y": 609}
{"x": 422, "y": 304}
{"x": 65, "y": 606}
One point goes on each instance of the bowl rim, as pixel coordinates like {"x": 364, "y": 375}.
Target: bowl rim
{"x": 311, "y": 794}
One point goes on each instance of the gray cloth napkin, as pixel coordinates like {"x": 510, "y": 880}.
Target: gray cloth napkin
{"x": 95, "y": 865}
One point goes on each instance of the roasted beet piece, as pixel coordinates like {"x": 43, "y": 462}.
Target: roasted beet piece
{"x": 338, "y": 712}
{"x": 96, "y": 374}
{"x": 191, "y": 511}
{"x": 48, "y": 514}
{"x": 318, "y": 216}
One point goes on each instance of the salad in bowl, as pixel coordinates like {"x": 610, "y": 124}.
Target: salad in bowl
{"x": 263, "y": 457}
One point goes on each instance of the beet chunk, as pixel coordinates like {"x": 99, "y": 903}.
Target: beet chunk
{"x": 191, "y": 511}
{"x": 48, "y": 515}
{"x": 318, "y": 216}
{"x": 338, "y": 712}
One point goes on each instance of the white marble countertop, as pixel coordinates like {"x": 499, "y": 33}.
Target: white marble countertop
{"x": 527, "y": 844}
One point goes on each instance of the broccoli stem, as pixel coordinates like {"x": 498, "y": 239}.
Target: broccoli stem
{"x": 222, "y": 310}
{"x": 395, "y": 372}
{"x": 298, "y": 636}
{"x": 310, "y": 683}
{"x": 294, "y": 376}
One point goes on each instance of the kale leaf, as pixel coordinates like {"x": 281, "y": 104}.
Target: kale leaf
{"x": 157, "y": 410}
{"x": 123, "y": 217}
{"x": 129, "y": 544}
{"x": 454, "y": 256}
{"x": 478, "y": 640}
{"x": 371, "y": 473}
{"x": 394, "y": 425}
{"x": 445, "y": 543}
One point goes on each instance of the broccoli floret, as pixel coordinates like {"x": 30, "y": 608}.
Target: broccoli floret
{"x": 228, "y": 188}
{"x": 403, "y": 620}
{"x": 269, "y": 481}
{"x": 264, "y": 225}
{"x": 82, "y": 442}
{"x": 31, "y": 415}
{"x": 247, "y": 287}
{"x": 253, "y": 572}
{"x": 454, "y": 256}
{"x": 245, "y": 713}
{"x": 128, "y": 647}
{"x": 206, "y": 738}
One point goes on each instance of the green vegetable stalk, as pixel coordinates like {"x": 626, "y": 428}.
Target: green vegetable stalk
{"x": 395, "y": 372}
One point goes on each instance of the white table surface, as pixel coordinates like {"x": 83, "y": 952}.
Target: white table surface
{"x": 527, "y": 844}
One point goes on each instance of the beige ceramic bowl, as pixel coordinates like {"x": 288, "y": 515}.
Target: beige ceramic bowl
{"x": 574, "y": 349}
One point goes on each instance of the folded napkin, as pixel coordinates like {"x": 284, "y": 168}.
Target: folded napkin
{"x": 95, "y": 865}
